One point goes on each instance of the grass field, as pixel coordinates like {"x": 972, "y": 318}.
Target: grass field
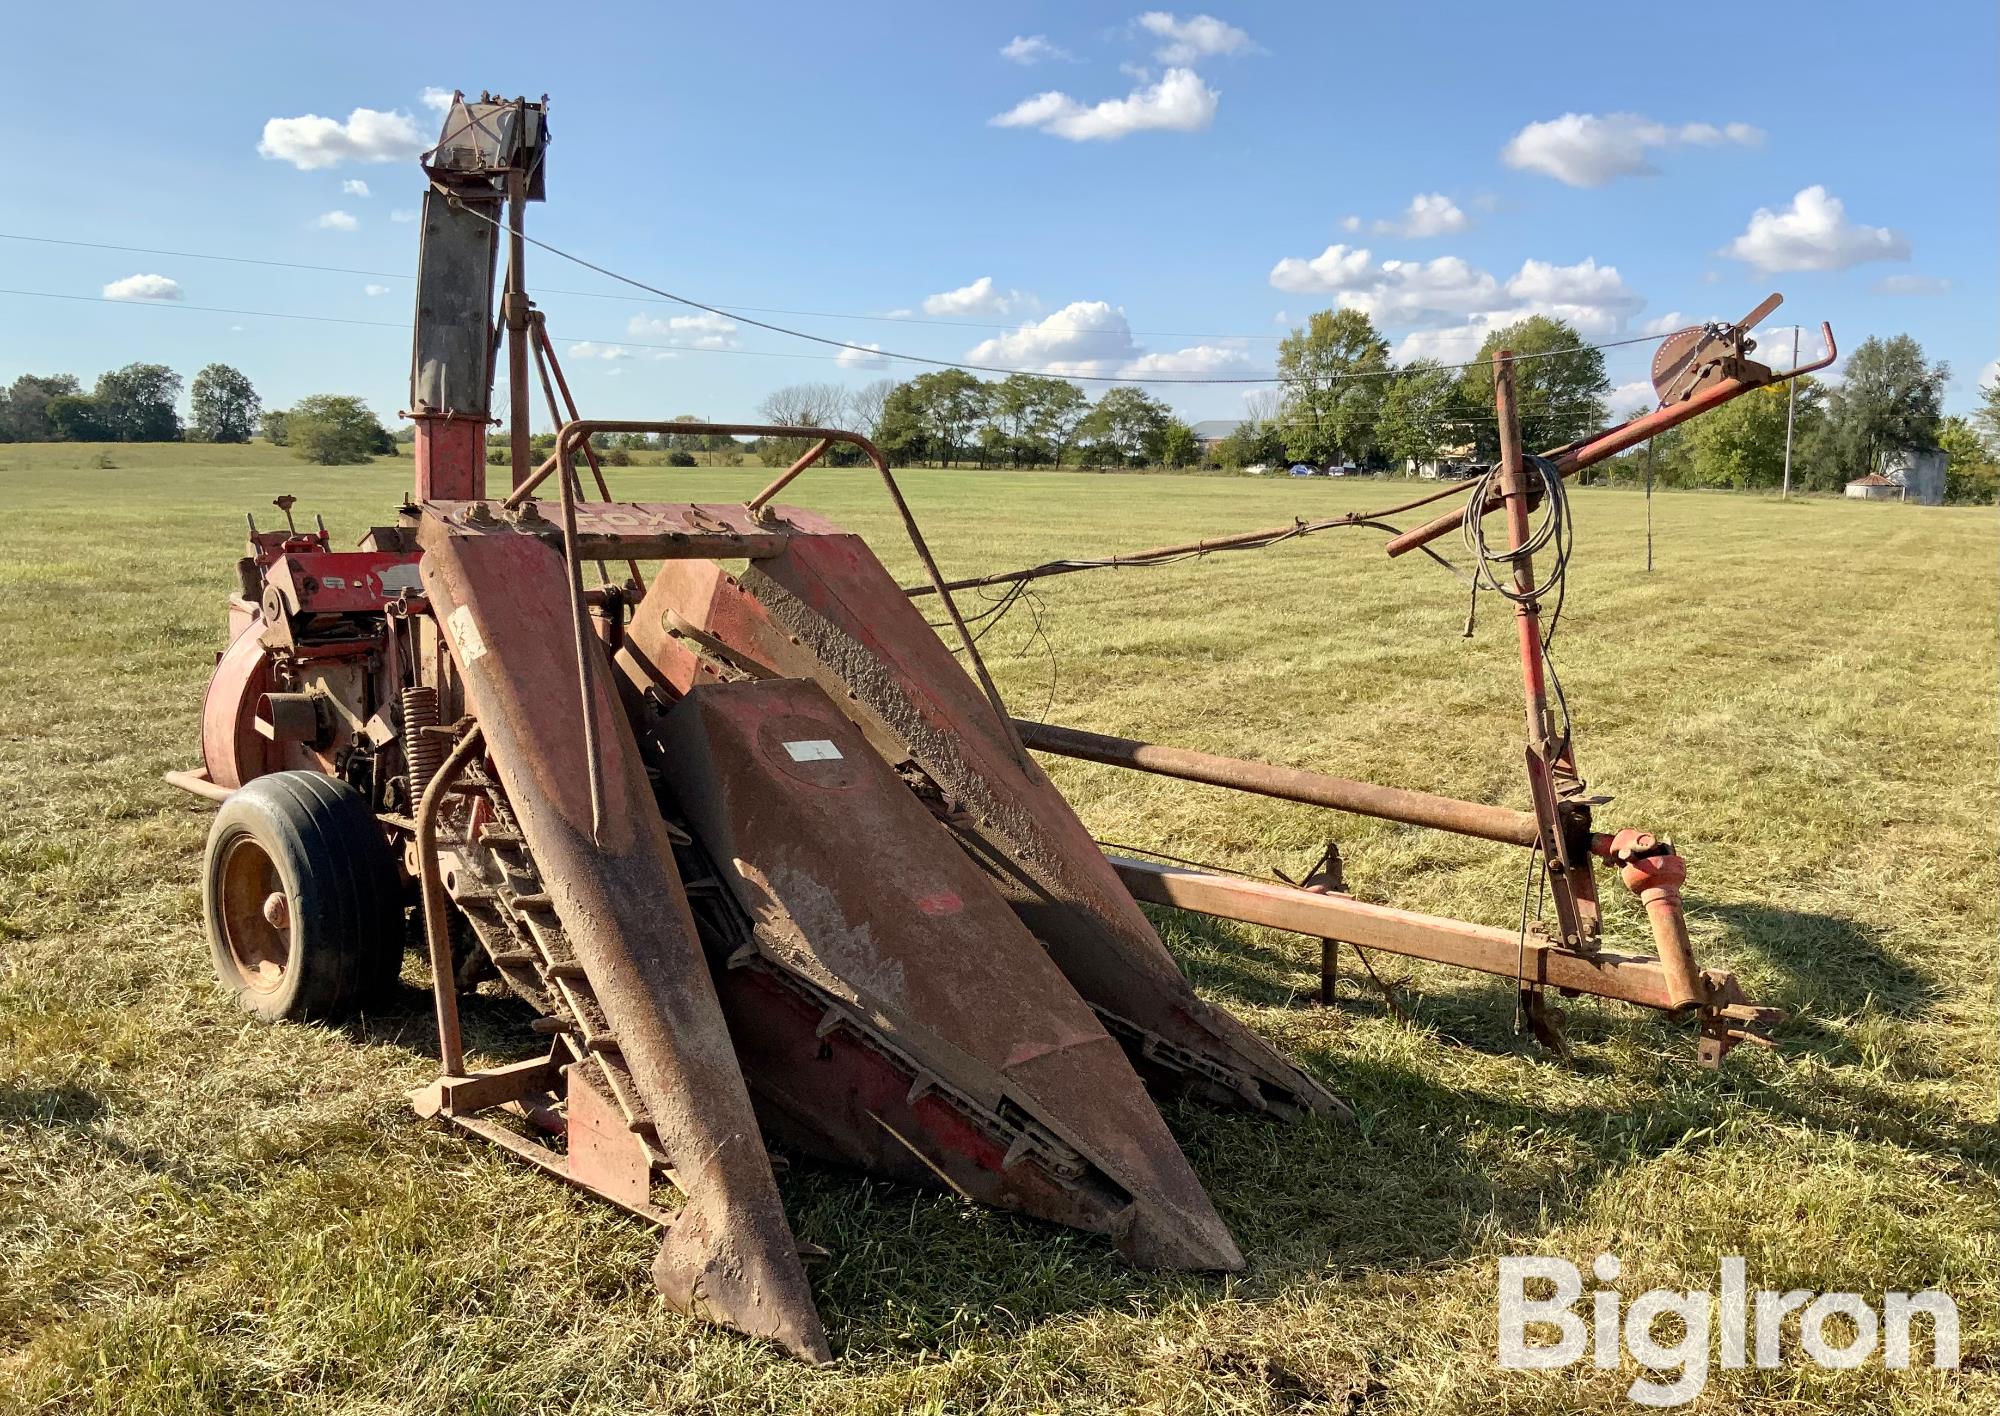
{"x": 198, "y": 1213}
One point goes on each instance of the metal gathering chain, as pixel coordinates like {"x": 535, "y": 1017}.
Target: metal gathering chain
{"x": 504, "y": 898}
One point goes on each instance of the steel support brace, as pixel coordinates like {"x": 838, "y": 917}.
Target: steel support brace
{"x": 1628, "y": 978}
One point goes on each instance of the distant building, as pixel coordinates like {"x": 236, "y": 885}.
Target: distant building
{"x": 1875, "y": 487}
{"x": 1450, "y": 462}
{"x": 1212, "y": 431}
{"x": 1919, "y": 471}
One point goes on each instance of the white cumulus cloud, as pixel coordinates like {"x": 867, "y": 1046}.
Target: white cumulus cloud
{"x": 1591, "y": 149}
{"x": 1665, "y": 324}
{"x": 1083, "y": 337}
{"x": 701, "y": 330}
{"x": 438, "y": 100}
{"x": 1813, "y": 233}
{"x": 861, "y": 357}
{"x": 337, "y": 221}
{"x": 354, "y": 187}
{"x": 1428, "y": 214}
{"x": 144, "y": 287}
{"x": 1449, "y": 305}
{"x": 1032, "y": 49}
{"x": 1774, "y": 346}
{"x": 373, "y": 290}
{"x": 401, "y": 215}
{"x": 1180, "y": 102}
{"x": 978, "y": 298}
{"x": 1335, "y": 269}
{"x": 1198, "y": 37}
{"x": 1638, "y": 394}
{"x": 1592, "y": 297}
{"x": 310, "y": 142}
{"x": 1195, "y": 359}
{"x": 590, "y": 349}
{"x": 1426, "y": 292}
{"x": 1093, "y": 338}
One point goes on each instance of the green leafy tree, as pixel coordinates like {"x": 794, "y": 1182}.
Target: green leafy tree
{"x": 1038, "y": 416}
{"x": 1014, "y": 401}
{"x": 900, "y": 432}
{"x": 1988, "y": 416}
{"x": 1057, "y": 418}
{"x": 1742, "y": 443}
{"x": 1332, "y": 392}
{"x": 808, "y": 405}
{"x": 136, "y": 403}
{"x": 24, "y": 409}
{"x": 695, "y": 442}
{"x": 76, "y": 417}
{"x": 274, "y": 426}
{"x": 994, "y": 447}
{"x": 949, "y": 404}
{"x": 1127, "y": 426}
{"x": 1890, "y": 397}
{"x": 1559, "y": 390}
{"x": 1252, "y": 442}
{"x": 1421, "y": 416}
{"x": 333, "y": 429}
{"x": 225, "y": 405}
{"x": 1970, "y": 474}
{"x": 1179, "y": 447}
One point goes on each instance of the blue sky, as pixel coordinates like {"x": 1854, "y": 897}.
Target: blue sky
{"x": 1080, "y": 187}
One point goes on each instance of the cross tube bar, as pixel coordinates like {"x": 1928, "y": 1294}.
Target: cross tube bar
{"x": 1465, "y": 818}
{"x": 1483, "y": 948}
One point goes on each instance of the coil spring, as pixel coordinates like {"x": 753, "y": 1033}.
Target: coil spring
{"x": 424, "y": 751}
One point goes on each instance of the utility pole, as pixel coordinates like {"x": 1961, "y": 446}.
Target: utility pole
{"x": 1649, "y": 506}
{"x": 1791, "y": 406}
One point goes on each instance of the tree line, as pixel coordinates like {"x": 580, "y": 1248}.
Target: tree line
{"x": 138, "y": 403}
{"x": 950, "y": 417}
{"x": 1889, "y": 397}
{"x": 1340, "y": 400}
{"x": 141, "y": 403}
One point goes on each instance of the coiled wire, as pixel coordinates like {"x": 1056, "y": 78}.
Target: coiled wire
{"x": 1493, "y": 569}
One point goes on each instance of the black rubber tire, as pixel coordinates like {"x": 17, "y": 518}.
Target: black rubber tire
{"x": 312, "y": 839}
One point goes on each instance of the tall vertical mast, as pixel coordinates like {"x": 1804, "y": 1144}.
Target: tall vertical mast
{"x": 488, "y": 155}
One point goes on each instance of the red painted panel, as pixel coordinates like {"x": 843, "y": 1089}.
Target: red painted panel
{"x": 341, "y": 582}
{"x": 450, "y": 458}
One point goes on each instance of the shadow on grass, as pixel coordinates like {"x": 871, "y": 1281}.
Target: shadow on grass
{"x": 49, "y": 1106}
{"x": 492, "y": 1024}
{"x": 1426, "y": 1175}
{"x": 1831, "y": 964}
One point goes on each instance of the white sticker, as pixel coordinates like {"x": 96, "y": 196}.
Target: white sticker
{"x": 400, "y": 577}
{"x": 466, "y": 632}
{"x": 813, "y": 750}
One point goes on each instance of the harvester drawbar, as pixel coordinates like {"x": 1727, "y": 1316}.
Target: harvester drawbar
{"x": 767, "y": 857}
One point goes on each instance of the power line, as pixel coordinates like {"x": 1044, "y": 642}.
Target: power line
{"x": 872, "y": 355}
{"x": 397, "y": 324}
{"x": 877, "y": 353}
{"x": 644, "y": 300}
{"x": 732, "y": 312}
{"x": 206, "y": 309}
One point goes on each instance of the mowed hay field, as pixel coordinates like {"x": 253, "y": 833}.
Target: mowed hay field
{"x": 199, "y": 1213}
